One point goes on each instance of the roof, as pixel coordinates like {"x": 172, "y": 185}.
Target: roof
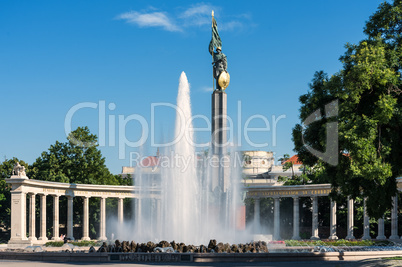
{"x": 150, "y": 161}
{"x": 294, "y": 159}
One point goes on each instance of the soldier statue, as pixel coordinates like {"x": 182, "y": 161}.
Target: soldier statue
{"x": 220, "y": 65}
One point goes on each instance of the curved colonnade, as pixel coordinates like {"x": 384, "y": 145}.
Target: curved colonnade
{"x": 22, "y": 186}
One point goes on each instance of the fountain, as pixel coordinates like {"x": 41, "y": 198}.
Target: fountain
{"x": 194, "y": 207}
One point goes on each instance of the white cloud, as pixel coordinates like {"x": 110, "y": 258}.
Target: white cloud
{"x": 154, "y": 19}
{"x": 231, "y": 25}
{"x": 195, "y": 16}
{"x": 207, "y": 89}
{"x": 199, "y": 14}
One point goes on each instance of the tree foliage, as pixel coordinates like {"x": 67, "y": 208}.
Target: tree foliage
{"x": 369, "y": 119}
{"x": 76, "y": 161}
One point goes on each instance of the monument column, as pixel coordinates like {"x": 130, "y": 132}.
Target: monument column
{"x": 102, "y": 230}
{"x": 70, "y": 221}
{"x": 332, "y": 221}
{"x": 55, "y": 218}
{"x": 394, "y": 218}
{"x": 381, "y": 234}
{"x": 350, "y": 219}
{"x": 85, "y": 221}
{"x": 314, "y": 228}
{"x": 32, "y": 217}
{"x": 277, "y": 229}
{"x": 257, "y": 216}
{"x": 296, "y": 219}
{"x": 120, "y": 210}
{"x": 43, "y": 218}
{"x": 366, "y": 227}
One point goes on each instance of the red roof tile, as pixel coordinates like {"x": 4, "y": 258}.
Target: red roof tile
{"x": 150, "y": 161}
{"x": 294, "y": 159}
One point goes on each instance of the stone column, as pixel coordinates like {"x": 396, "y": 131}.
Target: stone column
{"x": 85, "y": 221}
{"x": 366, "y": 227}
{"x": 257, "y": 216}
{"x": 32, "y": 217}
{"x": 394, "y": 218}
{"x": 55, "y": 218}
{"x": 314, "y": 227}
{"x": 277, "y": 229}
{"x": 102, "y": 230}
{"x": 381, "y": 229}
{"x": 70, "y": 221}
{"x": 332, "y": 221}
{"x": 18, "y": 217}
{"x": 350, "y": 219}
{"x": 43, "y": 218}
{"x": 296, "y": 219}
{"x": 120, "y": 211}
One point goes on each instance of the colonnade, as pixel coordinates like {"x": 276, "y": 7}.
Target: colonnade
{"x": 70, "y": 224}
{"x": 23, "y": 188}
{"x": 332, "y": 221}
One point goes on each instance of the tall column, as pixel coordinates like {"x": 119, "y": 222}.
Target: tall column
{"x": 296, "y": 219}
{"x": 120, "y": 210}
{"x": 381, "y": 234}
{"x": 394, "y": 218}
{"x": 32, "y": 217}
{"x": 314, "y": 227}
{"x": 70, "y": 221}
{"x": 85, "y": 222}
{"x": 257, "y": 216}
{"x": 332, "y": 221}
{"x": 55, "y": 218}
{"x": 219, "y": 140}
{"x": 350, "y": 219}
{"x": 18, "y": 217}
{"x": 43, "y": 218}
{"x": 102, "y": 230}
{"x": 277, "y": 229}
{"x": 366, "y": 227}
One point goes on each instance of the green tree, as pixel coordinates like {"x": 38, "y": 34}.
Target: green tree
{"x": 76, "y": 161}
{"x": 369, "y": 117}
{"x": 286, "y": 164}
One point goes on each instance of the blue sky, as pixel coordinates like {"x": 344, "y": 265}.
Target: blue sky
{"x": 55, "y": 55}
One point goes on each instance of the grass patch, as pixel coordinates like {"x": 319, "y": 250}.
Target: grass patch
{"x": 336, "y": 243}
{"x": 75, "y": 243}
{"x": 393, "y": 258}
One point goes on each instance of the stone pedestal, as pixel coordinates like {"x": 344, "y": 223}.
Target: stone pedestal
{"x": 18, "y": 220}
{"x": 381, "y": 234}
